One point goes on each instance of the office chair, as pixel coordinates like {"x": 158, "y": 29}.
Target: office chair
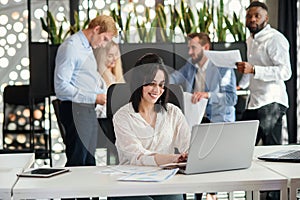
{"x": 16, "y": 126}
{"x": 176, "y": 96}
{"x": 23, "y": 122}
{"x": 117, "y": 96}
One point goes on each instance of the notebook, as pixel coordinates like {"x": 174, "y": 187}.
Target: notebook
{"x": 282, "y": 156}
{"x": 220, "y": 147}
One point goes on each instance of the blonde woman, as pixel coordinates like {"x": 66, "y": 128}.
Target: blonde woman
{"x": 109, "y": 63}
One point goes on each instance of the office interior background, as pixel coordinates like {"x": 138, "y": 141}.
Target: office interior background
{"x": 14, "y": 40}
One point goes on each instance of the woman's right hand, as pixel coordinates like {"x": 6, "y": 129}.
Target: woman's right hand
{"x": 183, "y": 157}
{"x": 162, "y": 159}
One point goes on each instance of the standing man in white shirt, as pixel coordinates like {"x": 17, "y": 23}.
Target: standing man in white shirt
{"x": 79, "y": 86}
{"x": 267, "y": 68}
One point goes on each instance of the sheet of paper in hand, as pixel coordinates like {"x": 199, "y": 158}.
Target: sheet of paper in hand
{"x": 224, "y": 58}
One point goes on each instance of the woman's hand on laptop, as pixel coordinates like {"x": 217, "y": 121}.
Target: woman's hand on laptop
{"x": 162, "y": 159}
{"x": 183, "y": 157}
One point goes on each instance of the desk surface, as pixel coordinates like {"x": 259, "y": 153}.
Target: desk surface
{"x": 17, "y": 160}
{"x": 8, "y": 178}
{"x": 11, "y": 165}
{"x": 289, "y": 170}
{"x": 89, "y": 182}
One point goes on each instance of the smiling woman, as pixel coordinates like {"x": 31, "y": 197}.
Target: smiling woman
{"x": 151, "y": 93}
{"x": 148, "y": 129}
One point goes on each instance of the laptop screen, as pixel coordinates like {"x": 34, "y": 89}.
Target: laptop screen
{"x": 221, "y": 146}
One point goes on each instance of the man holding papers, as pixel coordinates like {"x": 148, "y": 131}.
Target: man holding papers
{"x": 267, "y": 68}
{"x": 204, "y": 79}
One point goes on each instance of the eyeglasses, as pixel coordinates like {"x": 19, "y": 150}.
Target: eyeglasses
{"x": 152, "y": 84}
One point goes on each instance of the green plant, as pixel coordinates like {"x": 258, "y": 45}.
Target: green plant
{"x": 162, "y": 22}
{"x": 115, "y": 14}
{"x": 236, "y": 28}
{"x": 205, "y": 18}
{"x": 187, "y": 24}
{"x": 220, "y": 29}
{"x": 167, "y": 32}
{"x": 210, "y": 20}
{"x": 76, "y": 26}
{"x": 175, "y": 20}
{"x": 125, "y": 31}
{"x": 55, "y": 33}
{"x": 146, "y": 34}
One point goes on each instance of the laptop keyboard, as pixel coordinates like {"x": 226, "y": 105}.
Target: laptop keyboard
{"x": 292, "y": 155}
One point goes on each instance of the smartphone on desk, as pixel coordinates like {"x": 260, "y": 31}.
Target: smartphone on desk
{"x": 43, "y": 172}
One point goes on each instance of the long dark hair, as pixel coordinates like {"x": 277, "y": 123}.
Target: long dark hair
{"x": 144, "y": 73}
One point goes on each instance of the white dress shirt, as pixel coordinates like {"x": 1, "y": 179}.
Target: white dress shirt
{"x": 137, "y": 141}
{"x": 200, "y": 78}
{"x": 268, "y": 51}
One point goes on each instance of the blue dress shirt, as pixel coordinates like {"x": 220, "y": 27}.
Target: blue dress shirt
{"x": 220, "y": 83}
{"x": 76, "y": 77}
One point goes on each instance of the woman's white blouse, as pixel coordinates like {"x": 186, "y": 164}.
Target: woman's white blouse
{"x": 137, "y": 141}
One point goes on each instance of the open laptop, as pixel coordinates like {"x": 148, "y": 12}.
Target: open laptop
{"x": 282, "y": 156}
{"x": 221, "y": 146}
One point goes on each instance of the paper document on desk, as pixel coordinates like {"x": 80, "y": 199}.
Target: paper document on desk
{"x": 224, "y": 58}
{"x": 193, "y": 112}
{"x": 128, "y": 169}
{"x": 155, "y": 176}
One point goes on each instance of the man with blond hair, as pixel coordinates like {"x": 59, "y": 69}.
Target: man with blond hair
{"x": 79, "y": 87}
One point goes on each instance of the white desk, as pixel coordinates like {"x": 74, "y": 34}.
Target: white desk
{"x": 8, "y": 179}
{"x": 89, "y": 182}
{"x": 289, "y": 170}
{"x": 17, "y": 160}
{"x": 10, "y": 165}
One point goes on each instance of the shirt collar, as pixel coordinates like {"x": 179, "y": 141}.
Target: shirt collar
{"x": 137, "y": 115}
{"x": 262, "y": 32}
{"x": 204, "y": 67}
{"x": 84, "y": 40}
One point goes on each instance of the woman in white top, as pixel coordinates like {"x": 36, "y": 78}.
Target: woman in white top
{"x": 148, "y": 129}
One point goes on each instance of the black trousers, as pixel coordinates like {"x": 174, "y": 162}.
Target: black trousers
{"x": 269, "y": 130}
{"x": 81, "y": 125}
{"x": 270, "y": 122}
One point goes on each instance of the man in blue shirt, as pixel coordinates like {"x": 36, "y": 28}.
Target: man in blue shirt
{"x": 205, "y": 80}
{"x": 79, "y": 87}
